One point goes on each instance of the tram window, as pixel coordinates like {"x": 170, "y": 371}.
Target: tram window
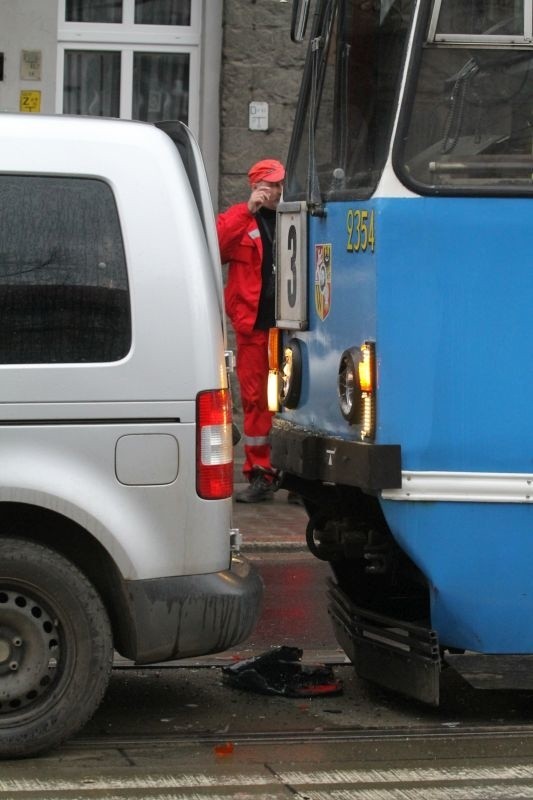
{"x": 357, "y": 72}
{"x": 504, "y": 17}
{"x": 470, "y": 126}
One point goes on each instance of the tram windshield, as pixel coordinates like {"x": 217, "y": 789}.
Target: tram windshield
{"x": 467, "y": 125}
{"x": 342, "y": 133}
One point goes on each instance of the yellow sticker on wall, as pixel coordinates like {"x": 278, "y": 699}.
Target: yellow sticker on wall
{"x": 30, "y": 100}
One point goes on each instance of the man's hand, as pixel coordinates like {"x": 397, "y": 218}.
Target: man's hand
{"x": 259, "y": 197}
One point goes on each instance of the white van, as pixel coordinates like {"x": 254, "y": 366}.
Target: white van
{"x": 116, "y": 469}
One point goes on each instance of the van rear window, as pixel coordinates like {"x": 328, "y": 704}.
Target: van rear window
{"x": 63, "y": 281}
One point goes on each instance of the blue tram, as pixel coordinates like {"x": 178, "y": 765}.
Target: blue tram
{"x": 402, "y": 373}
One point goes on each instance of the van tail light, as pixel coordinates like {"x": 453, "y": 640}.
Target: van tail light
{"x": 214, "y": 446}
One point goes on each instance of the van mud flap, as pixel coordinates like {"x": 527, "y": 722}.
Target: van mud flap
{"x": 395, "y": 654}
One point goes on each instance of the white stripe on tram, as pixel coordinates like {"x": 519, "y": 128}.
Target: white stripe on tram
{"x": 463, "y": 487}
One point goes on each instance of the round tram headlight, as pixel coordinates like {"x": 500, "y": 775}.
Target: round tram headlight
{"x": 291, "y": 374}
{"x": 348, "y": 385}
{"x": 356, "y": 387}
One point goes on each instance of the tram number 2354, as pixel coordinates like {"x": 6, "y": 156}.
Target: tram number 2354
{"x": 360, "y": 230}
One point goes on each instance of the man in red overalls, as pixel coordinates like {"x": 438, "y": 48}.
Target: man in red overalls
{"x": 246, "y": 235}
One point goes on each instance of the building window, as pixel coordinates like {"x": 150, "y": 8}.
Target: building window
{"x": 147, "y": 12}
{"x": 135, "y": 59}
{"x": 63, "y": 282}
{"x": 93, "y": 11}
{"x": 160, "y": 86}
{"x": 163, "y": 12}
{"x": 91, "y": 83}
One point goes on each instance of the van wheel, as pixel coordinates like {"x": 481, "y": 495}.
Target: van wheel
{"x": 56, "y": 649}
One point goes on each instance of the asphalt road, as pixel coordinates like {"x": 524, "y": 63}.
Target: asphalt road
{"x": 180, "y": 732}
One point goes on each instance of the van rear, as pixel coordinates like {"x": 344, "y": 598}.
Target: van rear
{"x": 115, "y": 419}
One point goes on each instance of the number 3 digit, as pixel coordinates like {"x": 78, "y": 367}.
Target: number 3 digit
{"x": 291, "y": 283}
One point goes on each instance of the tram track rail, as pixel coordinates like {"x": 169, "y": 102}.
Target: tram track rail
{"x": 301, "y": 736}
{"x": 229, "y": 745}
{"x": 372, "y": 763}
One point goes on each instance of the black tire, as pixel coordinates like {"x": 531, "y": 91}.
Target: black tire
{"x": 56, "y": 649}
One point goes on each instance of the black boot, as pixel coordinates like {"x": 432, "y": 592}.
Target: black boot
{"x": 258, "y": 490}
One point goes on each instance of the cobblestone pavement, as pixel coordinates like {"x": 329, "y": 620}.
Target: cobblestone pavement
{"x": 271, "y": 525}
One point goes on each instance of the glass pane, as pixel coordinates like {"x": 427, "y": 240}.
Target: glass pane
{"x": 63, "y": 281}
{"x": 161, "y": 86}
{"x": 91, "y": 83}
{"x": 477, "y": 17}
{"x": 357, "y": 72}
{"x": 471, "y": 125}
{"x": 93, "y": 11}
{"x": 163, "y": 12}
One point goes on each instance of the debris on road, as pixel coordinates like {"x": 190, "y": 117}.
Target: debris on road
{"x": 280, "y": 672}
{"x": 225, "y": 749}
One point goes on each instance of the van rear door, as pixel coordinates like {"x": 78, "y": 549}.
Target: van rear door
{"x": 192, "y": 161}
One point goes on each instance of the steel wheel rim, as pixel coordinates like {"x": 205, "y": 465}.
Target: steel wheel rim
{"x": 31, "y": 650}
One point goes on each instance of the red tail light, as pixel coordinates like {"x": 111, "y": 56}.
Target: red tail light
{"x": 214, "y": 446}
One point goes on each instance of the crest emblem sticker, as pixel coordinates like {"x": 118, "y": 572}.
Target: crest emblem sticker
{"x": 322, "y": 279}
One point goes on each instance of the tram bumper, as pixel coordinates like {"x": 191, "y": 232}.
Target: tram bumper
{"x": 393, "y": 653}
{"x": 318, "y": 457}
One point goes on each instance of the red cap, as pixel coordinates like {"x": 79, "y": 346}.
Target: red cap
{"x": 267, "y": 170}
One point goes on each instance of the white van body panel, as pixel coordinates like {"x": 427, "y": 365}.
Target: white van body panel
{"x": 152, "y": 193}
{"x": 145, "y": 528}
{"x": 177, "y": 350}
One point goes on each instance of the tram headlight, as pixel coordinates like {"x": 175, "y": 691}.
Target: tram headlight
{"x": 284, "y": 372}
{"x": 290, "y": 374}
{"x": 274, "y": 340}
{"x": 348, "y": 387}
{"x": 273, "y": 391}
{"x": 356, "y": 388}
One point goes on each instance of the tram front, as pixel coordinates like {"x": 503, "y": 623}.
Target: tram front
{"x": 403, "y": 308}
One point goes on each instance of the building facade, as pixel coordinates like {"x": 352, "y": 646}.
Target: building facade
{"x": 261, "y": 70}
{"x": 225, "y": 67}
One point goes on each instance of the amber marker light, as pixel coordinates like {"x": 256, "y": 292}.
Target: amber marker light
{"x": 367, "y": 379}
{"x": 366, "y": 368}
{"x": 273, "y": 348}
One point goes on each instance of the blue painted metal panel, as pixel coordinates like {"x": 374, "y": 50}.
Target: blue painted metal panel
{"x": 455, "y": 341}
{"x": 350, "y": 321}
{"x": 454, "y": 306}
{"x": 478, "y": 559}
{"x": 447, "y": 295}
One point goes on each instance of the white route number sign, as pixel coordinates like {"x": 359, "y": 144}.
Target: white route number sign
{"x": 291, "y": 266}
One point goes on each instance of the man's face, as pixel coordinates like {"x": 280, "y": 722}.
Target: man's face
{"x": 272, "y": 195}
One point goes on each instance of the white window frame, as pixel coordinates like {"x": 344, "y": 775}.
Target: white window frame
{"x": 496, "y": 40}
{"x": 129, "y": 38}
